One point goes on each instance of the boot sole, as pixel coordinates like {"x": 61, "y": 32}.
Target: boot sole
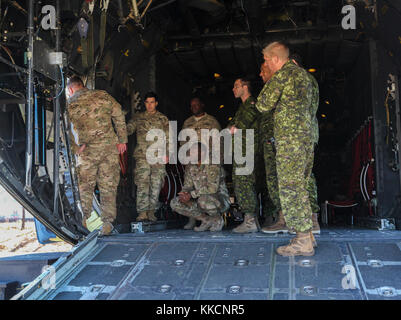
{"x": 305, "y": 254}
{"x": 274, "y": 232}
{"x": 253, "y": 231}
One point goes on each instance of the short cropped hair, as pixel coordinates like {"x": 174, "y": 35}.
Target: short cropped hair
{"x": 278, "y": 49}
{"x": 75, "y": 81}
{"x": 151, "y": 94}
{"x": 246, "y": 82}
{"x": 199, "y": 97}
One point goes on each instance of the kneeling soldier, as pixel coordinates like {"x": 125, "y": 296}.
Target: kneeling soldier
{"x": 204, "y": 195}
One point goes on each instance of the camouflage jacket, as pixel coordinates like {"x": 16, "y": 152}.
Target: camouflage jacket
{"x": 247, "y": 117}
{"x": 205, "y": 122}
{"x": 92, "y": 113}
{"x": 204, "y": 180}
{"x": 266, "y": 125}
{"x": 314, "y": 107}
{"x": 141, "y": 123}
{"x": 289, "y": 94}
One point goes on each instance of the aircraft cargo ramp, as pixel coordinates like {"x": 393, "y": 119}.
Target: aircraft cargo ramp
{"x": 179, "y": 265}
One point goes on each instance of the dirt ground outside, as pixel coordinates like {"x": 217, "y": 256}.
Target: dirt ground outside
{"x": 14, "y": 241}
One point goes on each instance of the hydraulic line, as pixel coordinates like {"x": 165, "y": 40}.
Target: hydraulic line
{"x": 56, "y": 157}
{"x": 29, "y": 104}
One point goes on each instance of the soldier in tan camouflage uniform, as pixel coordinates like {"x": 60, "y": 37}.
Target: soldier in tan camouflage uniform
{"x": 198, "y": 121}
{"x": 92, "y": 113}
{"x": 148, "y": 177}
{"x": 204, "y": 195}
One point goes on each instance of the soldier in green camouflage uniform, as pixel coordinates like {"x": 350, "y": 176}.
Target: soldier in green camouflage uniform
{"x": 267, "y": 123}
{"x": 311, "y": 184}
{"x": 289, "y": 94}
{"x": 92, "y": 113}
{"x": 148, "y": 177}
{"x": 245, "y": 118}
{"x": 204, "y": 195}
{"x": 198, "y": 121}
{"x": 312, "y": 189}
{"x": 269, "y": 155}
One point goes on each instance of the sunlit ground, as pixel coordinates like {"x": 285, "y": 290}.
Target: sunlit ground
{"x": 14, "y": 241}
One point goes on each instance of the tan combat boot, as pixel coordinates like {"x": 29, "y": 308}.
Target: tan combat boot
{"x": 191, "y": 224}
{"x": 292, "y": 231}
{"x": 314, "y": 242}
{"x": 142, "y": 216}
{"x": 279, "y": 226}
{"x": 106, "y": 229}
{"x": 151, "y": 215}
{"x": 217, "y": 223}
{"x": 206, "y": 222}
{"x": 316, "y": 227}
{"x": 301, "y": 245}
{"x": 249, "y": 225}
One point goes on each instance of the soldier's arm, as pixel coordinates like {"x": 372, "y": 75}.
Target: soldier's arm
{"x": 233, "y": 121}
{"x": 270, "y": 95}
{"x": 188, "y": 182}
{"x": 118, "y": 118}
{"x": 131, "y": 125}
{"x": 74, "y": 147}
{"x": 213, "y": 182}
{"x": 79, "y": 129}
{"x": 184, "y": 126}
{"x": 166, "y": 130}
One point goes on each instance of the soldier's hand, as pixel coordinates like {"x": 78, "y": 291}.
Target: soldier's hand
{"x": 184, "y": 196}
{"x": 122, "y": 147}
{"x": 166, "y": 159}
{"x": 233, "y": 129}
{"x": 81, "y": 149}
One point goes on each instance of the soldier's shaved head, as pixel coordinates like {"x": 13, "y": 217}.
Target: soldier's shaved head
{"x": 277, "y": 49}
{"x": 265, "y": 73}
{"x": 74, "y": 84}
{"x": 276, "y": 54}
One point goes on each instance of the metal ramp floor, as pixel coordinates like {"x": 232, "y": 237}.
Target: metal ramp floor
{"x": 349, "y": 264}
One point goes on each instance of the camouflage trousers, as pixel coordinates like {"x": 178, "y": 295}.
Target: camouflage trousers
{"x": 272, "y": 181}
{"x": 312, "y": 191}
{"x": 294, "y": 162}
{"x": 269, "y": 156}
{"x": 99, "y": 164}
{"x": 149, "y": 180}
{"x": 244, "y": 189}
{"x": 211, "y": 204}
